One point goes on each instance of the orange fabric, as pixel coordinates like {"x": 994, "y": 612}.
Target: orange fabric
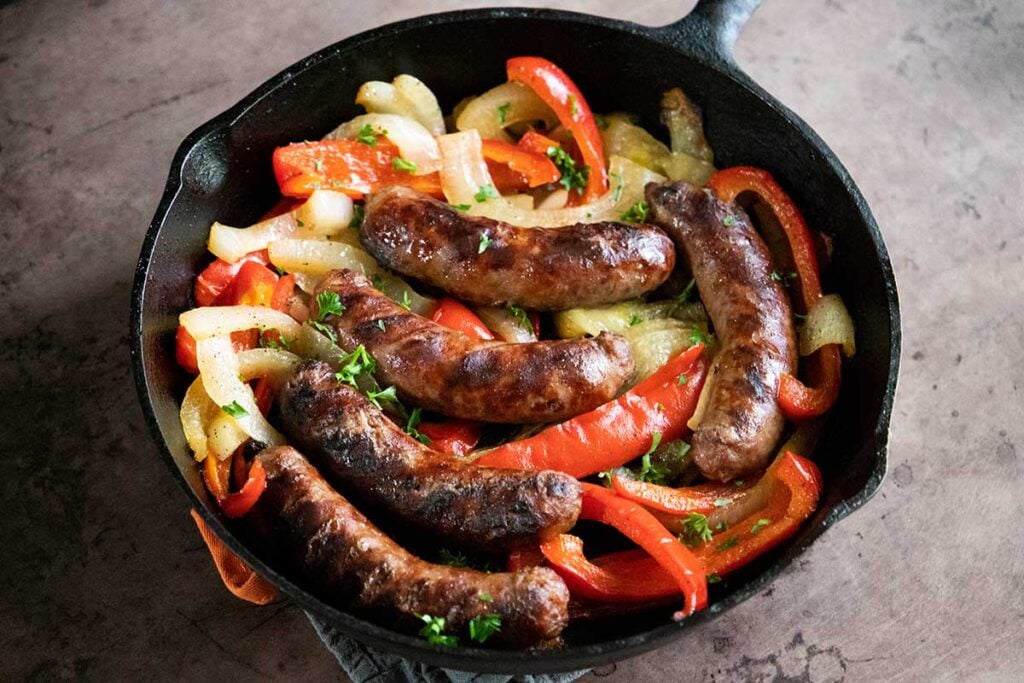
{"x": 239, "y": 578}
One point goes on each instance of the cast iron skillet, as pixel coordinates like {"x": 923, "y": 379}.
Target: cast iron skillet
{"x": 222, "y": 172}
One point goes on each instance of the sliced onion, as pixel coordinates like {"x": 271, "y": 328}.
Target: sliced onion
{"x": 463, "y": 169}
{"x": 505, "y": 325}
{"x": 210, "y": 321}
{"x": 406, "y": 96}
{"x": 318, "y": 257}
{"x": 219, "y": 368}
{"x": 654, "y": 342}
{"x": 196, "y": 412}
{"x": 325, "y": 213}
{"x": 634, "y": 179}
{"x": 415, "y": 143}
{"x": 484, "y": 113}
{"x": 828, "y": 322}
{"x": 555, "y": 200}
{"x": 273, "y": 363}
{"x": 307, "y": 283}
{"x": 224, "y": 436}
{"x": 313, "y": 344}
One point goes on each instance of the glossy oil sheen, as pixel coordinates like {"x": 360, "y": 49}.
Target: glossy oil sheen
{"x": 222, "y": 172}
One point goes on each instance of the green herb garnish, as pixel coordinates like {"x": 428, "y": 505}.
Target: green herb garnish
{"x": 635, "y": 319}
{"x": 402, "y": 165}
{"x": 485, "y": 242}
{"x": 486, "y": 192}
{"x": 406, "y": 302}
{"x": 382, "y": 325}
{"x": 695, "y": 530}
{"x": 725, "y": 545}
{"x": 235, "y": 410}
{"x": 485, "y": 597}
{"x": 412, "y": 423}
{"x": 784, "y": 278}
{"x": 760, "y": 524}
{"x": 572, "y": 178}
{"x": 461, "y": 207}
{"x": 484, "y": 626}
{"x": 324, "y": 330}
{"x": 729, "y": 220}
{"x": 328, "y": 303}
{"x": 503, "y": 112}
{"x": 685, "y": 295}
{"x": 713, "y": 577}
{"x": 434, "y": 631}
{"x": 574, "y": 105}
{"x": 358, "y": 213}
{"x": 637, "y": 213}
{"x": 355, "y": 364}
{"x": 521, "y": 316}
{"x": 683, "y": 379}
{"x": 452, "y": 558}
{"x": 367, "y": 136}
{"x": 721, "y": 502}
{"x": 375, "y": 397}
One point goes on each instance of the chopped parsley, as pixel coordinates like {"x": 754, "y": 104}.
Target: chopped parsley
{"x": 637, "y": 213}
{"x": 687, "y": 293}
{"x": 648, "y": 471}
{"x": 452, "y": 558}
{"x": 328, "y": 303}
{"x": 375, "y": 397}
{"x": 713, "y": 577}
{"x": 503, "y": 112}
{"x": 412, "y": 423}
{"x": 574, "y": 105}
{"x": 274, "y": 342}
{"x": 485, "y": 242}
{"x": 406, "y": 302}
{"x": 382, "y": 325}
{"x": 367, "y": 136}
{"x": 461, "y": 207}
{"x": 695, "y": 530}
{"x": 282, "y": 271}
{"x": 521, "y": 316}
{"x": 572, "y": 178}
{"x": 635, "y": 319}
{"x": 358, "y": 212}
{"x": 485, "y": 192}
{"x": 402, "y": 165}
{"x": 299, "y": 223}
{"x": 485, "y": 597}
{"x": 662, "y": 464}
{"x": 721, "y": 502}
{"x": 699, "y": 336}
{"x": 784, "y": 278}
{"x": 728, "y": 220}
{"x": 484, "y": 626}
{"x": 725, "y": 545}
{"x": 602, "y": 121}
{"x": 617, "y": 195}
{"x": 760, "y": 524}
{"x": 683, "y": 379}
{"x": 354, "y": 364}
{"x": 434, "y": 631}
{"x": 324, "y": 330}
{"x": 234, "y": 410}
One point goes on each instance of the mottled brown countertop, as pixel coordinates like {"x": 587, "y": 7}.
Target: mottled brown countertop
{"x": 102, "y": 573}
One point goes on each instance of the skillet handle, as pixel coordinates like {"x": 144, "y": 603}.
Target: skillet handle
{"x": 712, "y": 27}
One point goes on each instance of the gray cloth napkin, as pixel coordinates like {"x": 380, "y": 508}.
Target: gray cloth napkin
{"x": 364, "y": 664}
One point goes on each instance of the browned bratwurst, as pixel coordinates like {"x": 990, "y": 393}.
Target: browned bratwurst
{"x": 493, "y": 263}
{"x": 448, "y": 372}
{"x": 343, "y": 555}
{"x": 752, "y": 319}
{"x": 363, "y": 453}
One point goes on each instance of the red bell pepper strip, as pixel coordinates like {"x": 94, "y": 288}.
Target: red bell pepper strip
{"x": 534, "y": 142}
{"x": 523, "y": 558}
{"x": 616, "y": 432}
{"x": 216, "y": 277}
{"x": 797, "y": 401}
{"x": 185, "y": 351}
{"x": 538, "y": 169}
{"x": 237, "y": 504}
{"x": 452, "y": 314}
{"x": 632, "y": 575}
{"x": 703, "y": 498}
{"x": 559, "y": 92}
{"x": 641, "y": 527}
{"x": 253, "y": 285}
{"x": 217, "y": 475}
{"x": 283, "y": 292}
{"x": 457, "y": 437}
{"x": 347, "y": 166}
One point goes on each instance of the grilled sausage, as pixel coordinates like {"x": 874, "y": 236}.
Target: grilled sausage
{"x": 364, "y": 454}
{"x": 752, "y": 318}
{"x": 352, "y": 563}
{"x": 446, "y": 371}
{"x": 493, "y": 263}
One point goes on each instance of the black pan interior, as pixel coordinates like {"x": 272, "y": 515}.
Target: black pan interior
{"x": 223, "y": 172}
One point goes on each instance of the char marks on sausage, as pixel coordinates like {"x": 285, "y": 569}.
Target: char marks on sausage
{"x": 549, "y": 269}
{"x": 752, "y": 319}
{"x": 363, "y": 453}
{"x": 343, "y": 555}
{"x": 445, "y": 371}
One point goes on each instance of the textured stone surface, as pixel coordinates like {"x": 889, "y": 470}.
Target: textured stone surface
{"x": 102, "y": 574}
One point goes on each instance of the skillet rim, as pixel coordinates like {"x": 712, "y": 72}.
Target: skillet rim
{"x": 482, "y": 660}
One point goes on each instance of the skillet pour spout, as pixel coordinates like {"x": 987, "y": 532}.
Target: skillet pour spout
{"x": 221, "y": 173}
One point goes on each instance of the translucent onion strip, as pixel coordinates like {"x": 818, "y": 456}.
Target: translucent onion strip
{"x": 196, "y": 412}
{"x": 828, "y": 322}
{"x": 415, "y": 143}
{"x": 224, "y": 436}
{"x": 220, "y": 370}
{"x": 318, "y": 257}
{"x": 325, "y": 213}
{"x": 463, "y": 170}
{"x": 210, "y": 321}
{"x": 502, "y": 106}
{"x": 273, "y": 363}
{"x": 406, "y": 96}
